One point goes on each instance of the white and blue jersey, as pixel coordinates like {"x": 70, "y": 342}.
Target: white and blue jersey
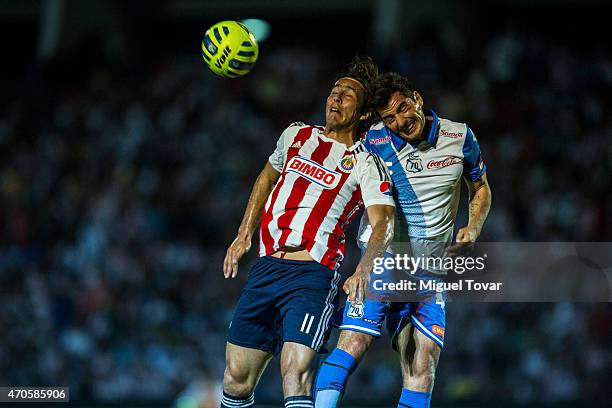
{"x": 426, "y": 181}
{"x": 426, "y": 187}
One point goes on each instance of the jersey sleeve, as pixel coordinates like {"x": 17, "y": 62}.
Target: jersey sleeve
{"x": 473, "y": 165}
{"x": 278, "y": 156}
{"x": 375, "y": 183}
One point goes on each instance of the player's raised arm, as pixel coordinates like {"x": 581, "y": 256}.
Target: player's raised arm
{"x": 475, "y": 176}
{"x": 261, "y": 190}
{"x": 480, "y": 204}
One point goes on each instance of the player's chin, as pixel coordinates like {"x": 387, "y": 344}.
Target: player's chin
{"x": 415, "y": 134}
{"x": 331, "y": 120}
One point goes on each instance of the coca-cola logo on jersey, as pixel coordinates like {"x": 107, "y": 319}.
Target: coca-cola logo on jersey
{"x": 438, "y": 164}
{"x": 313, "y": 171}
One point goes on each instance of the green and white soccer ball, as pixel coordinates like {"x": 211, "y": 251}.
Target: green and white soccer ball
{"x": 230, "y": 49}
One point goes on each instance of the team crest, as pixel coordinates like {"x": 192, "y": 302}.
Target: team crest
{"x": 355, "y": 310}
{"x": 414, "y": 163}
{"x": 347, "y": 163}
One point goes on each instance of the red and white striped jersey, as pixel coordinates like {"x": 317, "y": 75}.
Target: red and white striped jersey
{"x": 322, "y": 186}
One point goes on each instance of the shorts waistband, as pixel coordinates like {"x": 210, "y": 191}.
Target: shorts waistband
{"x": 289, "y": 261}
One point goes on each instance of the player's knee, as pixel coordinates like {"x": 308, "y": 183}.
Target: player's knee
{"x": 237, "y": 380}
{"x": 355, "y": 343}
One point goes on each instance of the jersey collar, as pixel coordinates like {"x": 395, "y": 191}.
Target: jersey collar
{"x": 432, "y": 136}
{"x": 321, "y": 134}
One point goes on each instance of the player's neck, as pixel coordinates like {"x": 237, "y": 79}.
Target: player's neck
{"x": 346, "y": 135}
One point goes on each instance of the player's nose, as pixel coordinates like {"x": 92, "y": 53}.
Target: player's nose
{"x": 400, "y": 121}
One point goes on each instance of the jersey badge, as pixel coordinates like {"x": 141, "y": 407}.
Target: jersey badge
{"x": 347, "y": 163}
{"x": 355, "y": 310}
{"x": 414, "y": 163}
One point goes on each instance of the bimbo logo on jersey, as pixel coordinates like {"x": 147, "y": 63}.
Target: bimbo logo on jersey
{"x": 447, "y": 161}
{"x": 313, "y": 171}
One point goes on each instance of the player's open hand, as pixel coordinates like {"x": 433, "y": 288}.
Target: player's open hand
{"x": 235, "y": 252}
{"x": 466, "y": 237}
{"x": 357, "y": 284}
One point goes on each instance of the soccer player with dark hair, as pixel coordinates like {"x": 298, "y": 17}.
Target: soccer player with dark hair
{"x": 316, "y": 181}
{"x": 426, "y": 157}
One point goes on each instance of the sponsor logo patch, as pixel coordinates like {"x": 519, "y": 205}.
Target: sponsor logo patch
{"x": 385, "y": 188}
{"x": 445, "y": 162}
{"x": 313, "y": 172}
{"x": 435, "y": 329}
{"x": 454, "y": 135}
{"x": 380, "y": 140}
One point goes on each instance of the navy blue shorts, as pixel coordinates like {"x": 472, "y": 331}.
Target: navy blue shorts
{"x": 285, "y": 300}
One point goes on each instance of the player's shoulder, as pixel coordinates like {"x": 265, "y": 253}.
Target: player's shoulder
{"x": 296, "y": 127}
{"x": 451, "y": 129}
{"x": 377, "y": 137}
{"x": 302, "y": 125}
{"x": 365, "y": 157}
{"x": 378, "y": 129}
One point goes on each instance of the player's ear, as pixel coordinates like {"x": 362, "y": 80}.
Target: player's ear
{"x": 417, "y": 98}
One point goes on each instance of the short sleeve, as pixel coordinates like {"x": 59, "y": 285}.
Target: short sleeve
{"x": 277, "y": 158}
{"x": 473, "y": 165}
{"x": 375, "y": 183}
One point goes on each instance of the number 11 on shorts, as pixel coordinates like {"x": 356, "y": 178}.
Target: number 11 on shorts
{"x": 307, "y": 323}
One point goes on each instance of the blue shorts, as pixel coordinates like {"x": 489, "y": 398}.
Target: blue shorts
{"x": 428, "y": 316}
{"x": 285, "y": 300}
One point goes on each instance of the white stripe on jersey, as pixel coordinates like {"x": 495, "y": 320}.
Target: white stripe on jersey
{"x": 310, "y": 198}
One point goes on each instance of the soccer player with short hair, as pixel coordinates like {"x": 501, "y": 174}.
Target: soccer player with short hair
{"x": 314, "y": 183}
{"x": 426, "y": 156}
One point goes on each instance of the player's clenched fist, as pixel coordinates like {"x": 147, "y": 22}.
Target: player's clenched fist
{"x": 239, "y": 247}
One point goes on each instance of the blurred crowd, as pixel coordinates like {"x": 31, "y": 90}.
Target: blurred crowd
{"x": 120, "y": 195}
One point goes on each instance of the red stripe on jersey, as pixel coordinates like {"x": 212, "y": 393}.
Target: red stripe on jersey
{"x": 350, "y": 210}
{"x": 299, "y": 191}
{"x": 322, "y": 206}
{"x": 264, "y": 231}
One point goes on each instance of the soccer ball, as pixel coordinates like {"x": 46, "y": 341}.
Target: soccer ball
{"x": 229, "y": 49}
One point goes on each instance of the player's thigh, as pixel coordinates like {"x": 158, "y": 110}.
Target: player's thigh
{"x": 419, "y": 359}
{"x": 245, "y": 365}
{"x": 419, "y": 356}
{"x": 307, "y": 305}
{"x": 255, "y": 321}
{"x": 418, "y": 353}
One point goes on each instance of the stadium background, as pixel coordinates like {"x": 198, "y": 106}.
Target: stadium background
{"x": 126, "y": 165}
